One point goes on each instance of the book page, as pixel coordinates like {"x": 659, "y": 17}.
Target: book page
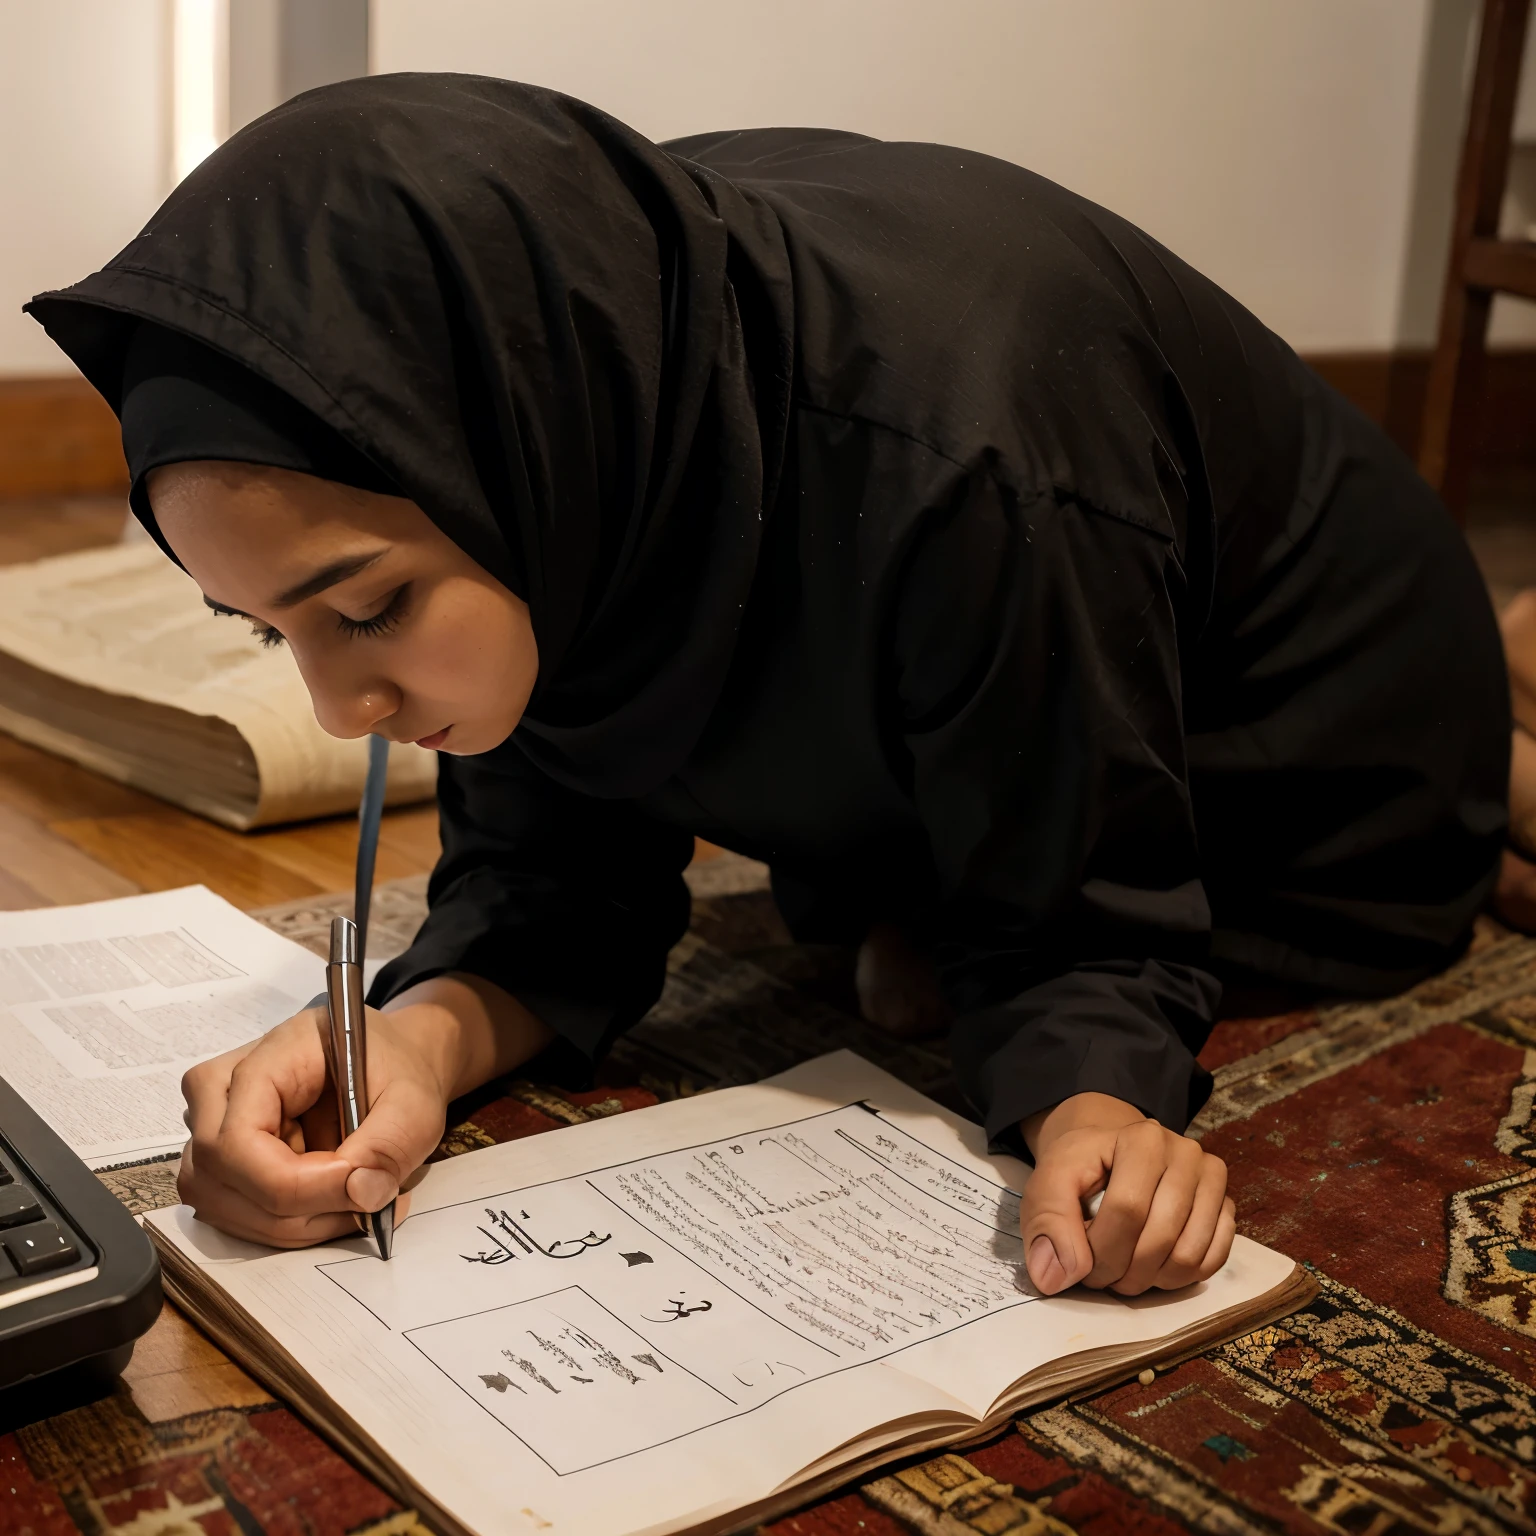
{"x": 638, "y": 1321}
{"x": 104, "y": 1006}
{"x": 126, "y": 621}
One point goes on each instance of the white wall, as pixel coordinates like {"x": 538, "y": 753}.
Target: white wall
{"x": 1299, "y": 151}
{"x": 84, "y": 158}
{"x": 1270, "y": 142}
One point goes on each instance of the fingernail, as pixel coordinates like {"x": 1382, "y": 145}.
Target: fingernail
{"x": 371, "y": 1188}
{"x": 1042, "y": 1255}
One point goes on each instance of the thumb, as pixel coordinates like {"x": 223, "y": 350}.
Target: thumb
{"x": 1056, "y": 1249}
{"x": 398, "y": 1134}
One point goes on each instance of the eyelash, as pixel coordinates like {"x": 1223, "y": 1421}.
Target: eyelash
{"x": 380, "y": 624}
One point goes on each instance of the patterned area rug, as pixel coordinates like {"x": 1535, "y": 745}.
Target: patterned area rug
{"x": 1392, "y": 1147}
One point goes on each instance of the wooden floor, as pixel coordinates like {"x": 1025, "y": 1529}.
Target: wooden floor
{"x": 69, "y": 835}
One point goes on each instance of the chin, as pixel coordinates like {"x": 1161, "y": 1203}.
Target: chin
{"x": 468, "y": 741}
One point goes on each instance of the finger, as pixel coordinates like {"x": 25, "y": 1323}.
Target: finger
{"x": 1172, "y": 1203}
{"x": 205, "y": 1088}
{"x": 1138, "y": 1162}
{"x": 319, "y": 1128}
{"x": 234, "y": 1213}
{"x": 1182, "y": 1266}
{"x": 185, "y": 1173}
{"x": 1056, "y": 1249}
{"x": 400, "y": 1131}
{"x": 1221, "y": 1244}
{"x": 277, "y": 1082}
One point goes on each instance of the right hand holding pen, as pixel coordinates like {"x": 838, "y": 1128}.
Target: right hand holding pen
{"x": 263, "y": 1161}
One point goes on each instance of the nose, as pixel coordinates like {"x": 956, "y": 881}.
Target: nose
{"x": 348, "y": 705}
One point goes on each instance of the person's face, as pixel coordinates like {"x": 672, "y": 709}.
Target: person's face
{"x": 396, "y": 631}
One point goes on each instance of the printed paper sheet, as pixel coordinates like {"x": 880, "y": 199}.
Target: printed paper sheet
{"x": 103, "y": 1007}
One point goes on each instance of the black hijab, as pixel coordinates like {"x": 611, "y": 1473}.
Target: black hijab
{"x": 181, "y": 400}
{"x": 569, "y": 348}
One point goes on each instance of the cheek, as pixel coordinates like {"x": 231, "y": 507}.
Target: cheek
{"x": 472, "y": 644}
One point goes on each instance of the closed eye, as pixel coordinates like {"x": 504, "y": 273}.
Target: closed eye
{"x": 263, "y": 632}
{"x": 381, "y": 622}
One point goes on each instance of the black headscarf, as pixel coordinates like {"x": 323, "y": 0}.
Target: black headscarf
{"x": 569, "y": 348}
{"x": 181, "y": 400}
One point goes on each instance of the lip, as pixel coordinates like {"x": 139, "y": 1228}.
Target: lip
{"x": 435, "y": 740}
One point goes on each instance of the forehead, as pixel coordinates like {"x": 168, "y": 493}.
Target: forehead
{"x": 213, "y": 503}
{"x": 244, "y": 532}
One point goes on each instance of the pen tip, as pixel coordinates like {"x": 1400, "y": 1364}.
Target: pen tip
{"x": 383, "y": 1224}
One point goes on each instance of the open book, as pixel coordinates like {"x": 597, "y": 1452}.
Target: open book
{"x": 689, "y": 1317}
{"x": 109, "y": 657}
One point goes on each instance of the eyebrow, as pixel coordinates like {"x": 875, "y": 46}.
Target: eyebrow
{"x": 326, "y": 577}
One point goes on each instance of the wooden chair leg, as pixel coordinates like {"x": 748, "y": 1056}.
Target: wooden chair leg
{"x": 1450, "y": 430}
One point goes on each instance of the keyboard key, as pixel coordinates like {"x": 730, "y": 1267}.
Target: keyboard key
{"x": 18, "y": 1206}
{"x": 5, "y": 1174}
{"x": 7, "y": 1269}
{"x": 40, "y": 1247}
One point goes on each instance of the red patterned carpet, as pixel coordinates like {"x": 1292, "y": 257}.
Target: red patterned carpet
{"x": 1392, "y": 1147}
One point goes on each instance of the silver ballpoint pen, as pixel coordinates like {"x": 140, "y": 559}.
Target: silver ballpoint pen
{"x": 349, "y": 1053}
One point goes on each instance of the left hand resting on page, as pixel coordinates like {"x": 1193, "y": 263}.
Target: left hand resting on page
{"x": 1165, "y": 1220}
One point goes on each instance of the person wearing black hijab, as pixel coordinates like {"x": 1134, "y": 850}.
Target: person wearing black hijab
{"x": 880, "y": 511}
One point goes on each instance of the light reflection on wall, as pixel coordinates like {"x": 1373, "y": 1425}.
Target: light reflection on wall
{"x": 199, "y": 81}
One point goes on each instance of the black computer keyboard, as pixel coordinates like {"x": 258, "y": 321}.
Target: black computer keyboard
{"x": 35, "y": 1239}
{"x": 79, "y": 1281}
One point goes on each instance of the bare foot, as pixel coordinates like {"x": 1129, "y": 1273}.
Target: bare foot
{"x": 1522, "y": 791}
{"x": 898, "y": 991}
{"x": 1517, "y": 624}
{"x": 1514, "y": 897}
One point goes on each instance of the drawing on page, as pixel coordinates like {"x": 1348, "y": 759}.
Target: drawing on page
{"x": 511, "y": 1239}
{"x": 559, "y": 1371}
{"x": 758, "y": 1370}
{"x": 677, "y": 1308}
{"x": 787, "y": 1256}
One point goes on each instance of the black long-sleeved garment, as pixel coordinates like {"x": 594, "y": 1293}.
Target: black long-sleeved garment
{"x": 884, "y": 512}
{"x": 1092, "y": 636}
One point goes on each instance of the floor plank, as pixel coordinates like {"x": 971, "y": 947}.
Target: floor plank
{"x": 161, "y": 849}
{"x": 175, "y": 1370}
{"x": 17, "y": 896}
{"x": 58, "y": 870}
{"x": 326, "y": 852}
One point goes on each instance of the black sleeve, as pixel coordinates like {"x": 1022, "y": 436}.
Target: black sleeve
{"x": 568, "y": 902}
{"x": 1037, "y": 661}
